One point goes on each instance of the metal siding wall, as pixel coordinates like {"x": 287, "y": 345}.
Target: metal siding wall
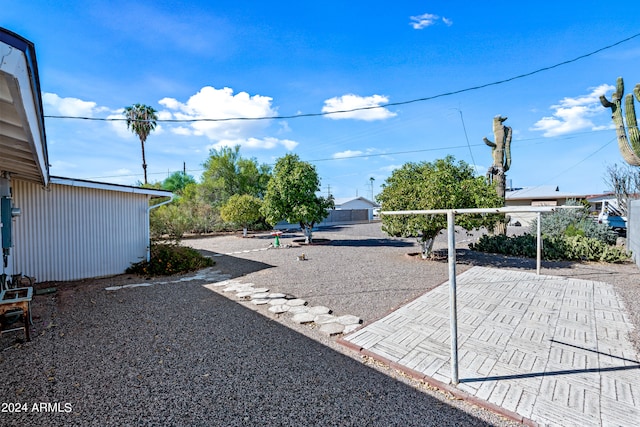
{"x": 70, "y": 233}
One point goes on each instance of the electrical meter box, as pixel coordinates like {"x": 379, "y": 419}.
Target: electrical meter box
{"x": 5, "y": 218}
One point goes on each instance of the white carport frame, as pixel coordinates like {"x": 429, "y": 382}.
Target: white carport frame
{"x": 451, "y": 214}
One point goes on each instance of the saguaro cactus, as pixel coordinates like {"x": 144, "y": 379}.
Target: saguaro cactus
{"x": 629, "y": 148}
{"x": 501, "y": 153}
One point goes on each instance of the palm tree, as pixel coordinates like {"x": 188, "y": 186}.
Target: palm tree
{"x": 141, "y": 120}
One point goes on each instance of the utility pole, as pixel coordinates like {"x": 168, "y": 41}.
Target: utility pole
{"x": 328, "y": 190}
{"x": 371, "y": 180}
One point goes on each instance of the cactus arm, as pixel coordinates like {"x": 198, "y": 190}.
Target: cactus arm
{"x": 619, "y": 93}
{"x": 605, "y": 102}
{"x": 489, "y": 143}
{"x": 507, "y": 150}
{"x": 636, "y": 92}
{"x": 632, "y": 124}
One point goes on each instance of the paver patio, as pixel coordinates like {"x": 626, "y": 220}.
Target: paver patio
{"x": 553, "y": 350}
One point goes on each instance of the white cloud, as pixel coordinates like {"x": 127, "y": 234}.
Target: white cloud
{"x": 356, "y": 153}
{"x": 267, "y": 143}
{"x": 74, "y": 107}
{"x": 346, "y": 154}
{"x": 351, "y": 102}
{"x": 212, "y": 103}
{"x": 425, "y": 20}
{"x": 573, "y": 114}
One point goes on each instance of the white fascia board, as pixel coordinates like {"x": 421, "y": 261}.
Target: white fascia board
{"x": 14, "y": 63}
{"x": 109, "y": 187}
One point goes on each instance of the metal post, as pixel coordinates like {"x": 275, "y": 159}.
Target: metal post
{"x": 539, "y": 246}
{"x": 452, "y": 296}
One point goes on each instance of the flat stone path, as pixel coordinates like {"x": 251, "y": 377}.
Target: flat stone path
{"x": 542, "y": 349}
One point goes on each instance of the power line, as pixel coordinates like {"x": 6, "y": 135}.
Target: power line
{"x": 373, "y": 107}
{"x": 393, "y": 153}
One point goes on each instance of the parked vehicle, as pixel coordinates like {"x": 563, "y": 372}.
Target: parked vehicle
{"x": 612, "y": 216}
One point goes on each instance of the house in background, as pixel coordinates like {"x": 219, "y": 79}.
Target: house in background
{"x": 535, "y": 196}
{"x": 56, "y": 228}
{"x": 360, "y": 208}
{"x": 354, "y": 203}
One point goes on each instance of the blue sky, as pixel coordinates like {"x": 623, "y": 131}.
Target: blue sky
{"x": 222, "y": 59}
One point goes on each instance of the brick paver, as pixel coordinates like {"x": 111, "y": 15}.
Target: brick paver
{"x": 554, "y": 350}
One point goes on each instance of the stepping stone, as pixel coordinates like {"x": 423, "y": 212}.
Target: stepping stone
{"x": 244, "y": 294}
{"x": 277, "y": 301}
{"x": 251, "y": 291}
{"x": 331, "y": 329}
{"x": 349, "y": 319}
{"x": 296, "y": 302}
{"x": 238, "y": 288}
{"x": 260, "y": 295}
{"x": 278, "y": 309}
{"x": 260, "y": 301}
{"x": 319, "y": 309}
{"x": 303, "y": 318}
{"x": 321, "y": 319}
{"x": 219, "y": 284}
{"x": 222, "y": 283}
{"x": 277, "y": 295}
{"x": 298, "y": 309}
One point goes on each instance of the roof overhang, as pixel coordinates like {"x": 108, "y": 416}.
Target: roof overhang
{"x": 72, "y": 182}
{"x": 23, "y": 147}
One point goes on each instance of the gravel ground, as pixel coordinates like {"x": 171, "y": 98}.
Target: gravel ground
{"x": 359, "y": 270}
{"x": 180, "y": 354}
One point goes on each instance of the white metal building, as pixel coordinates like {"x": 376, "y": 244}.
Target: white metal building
{"x": 56, "y": 228}
{"x": 76, "y": 229}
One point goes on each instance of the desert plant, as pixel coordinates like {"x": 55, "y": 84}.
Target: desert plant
{"x": 629, "y": 148}
{"x": 555, "y": 248}
{"x": 169, "y": 222}
{"x": 573, "y": 222}
{"x": 168, "y": 259}
{"x": 501, "y": 154}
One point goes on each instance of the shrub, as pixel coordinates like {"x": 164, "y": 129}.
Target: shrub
{"x": 168, "y": 221}
{"x": 574, "y": 222}
{"x": 167, "y": 260}
{"x": 554, "y": 248}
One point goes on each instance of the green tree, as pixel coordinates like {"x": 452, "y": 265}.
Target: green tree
{"x": 228, "y": 173}
{"x": 437, "y": 185}
{"x": 141, "y": 120}
{"x": 176, "y": 182}
{"x": 292, "y": 195}
{"x": 242, "y": 210}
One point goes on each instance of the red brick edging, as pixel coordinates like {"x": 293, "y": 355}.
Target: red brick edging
{"x": 462, "y": 395}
